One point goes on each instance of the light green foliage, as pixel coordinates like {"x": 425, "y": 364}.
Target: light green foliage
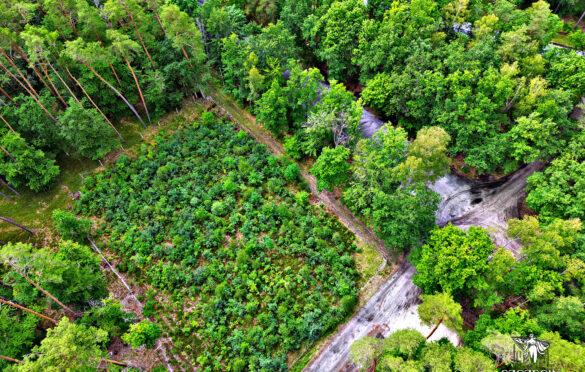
{"x": 501, "y": 345}
{"x": 331, "y": 168}
{"x": 109, "y": 316}
{"x": 70, "y": 227}
{"x": 534, "y": 139}
{"x": 17, "y": 333}
{"x": 142, "y": 333}
{"x": 338, "y": 32}
{"x": 292, "y": 146}
{"x": 273, "y": 108}
{"x": 406, "y": 216}
{"x": 274, "y": 42}
{"x": 563, "y": 354}
{"x": 497, "y": 280}
{"x": 81, "y": 345}
{"x": 577, "y": 37}
{"x": 87, "y": 132}
{"x": 558, "y": 191}
{"x": 566, "y": 316}
{"x": 405, "y": 343}
{"x": 72, "y": 274}
{"x": 402, "y": 214}
{"x": 376, "y": 158}
{"x": 567, "y": 71}
{"x": 440, "y": 307}
{"x": 545, "y": 243}
{"x": 363, "y": 352}
{"x": 453, "y": 260}
{"x": 439, "y": 356}
{"x": 181, "y": 30}
{"x": 29, "y": 168}
{"x": 426, "y": 159}
{"x": 468, "y": 360}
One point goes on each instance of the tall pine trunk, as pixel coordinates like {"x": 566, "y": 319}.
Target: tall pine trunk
{"x": 29, "y": 92}
{"x": 27, "y": 310}
{"x": 109, "y": 61}
{"x": 40, "y": 288}
{"x": 115, "y": 90}
{"x": 8, "y": 96}
{"x": 138, "y": 34}
{"x": 7, "y": 57}
{"x": 62, "y": 81}
{"x": 139, "y": 90}
{"x": 7, "y": 124}
{"x": 54, "y": 87}
{"x": 23, "y": 55}
{"x": 94, "y": 105}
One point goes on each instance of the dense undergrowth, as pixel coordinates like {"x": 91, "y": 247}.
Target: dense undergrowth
{"x": 209, "y": 216}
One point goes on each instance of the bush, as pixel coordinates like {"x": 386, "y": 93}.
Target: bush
{"x": 302, "y": 197}
{"x": 69, "y": 227}
{"x": 348, "y": 303}
{"x": 142, "y": 333}
{"x": 292, "y": 146}
{"x": 219, "y": 208}
{"x": 292, "y": 172}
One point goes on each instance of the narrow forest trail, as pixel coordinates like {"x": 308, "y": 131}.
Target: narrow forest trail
{"x": 248, "y": 122}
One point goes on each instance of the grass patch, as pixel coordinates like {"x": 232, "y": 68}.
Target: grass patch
{"x": 562, "y": 39}
{"x": 34, "y": 209}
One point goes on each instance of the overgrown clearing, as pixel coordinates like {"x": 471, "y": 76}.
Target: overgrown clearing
{"x": 207, "y": 215}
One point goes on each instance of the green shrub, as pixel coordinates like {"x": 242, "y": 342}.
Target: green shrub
{"x": 69, "y": 227}
{"x": 143, "y": 333}
{"x": 292, "y": 172}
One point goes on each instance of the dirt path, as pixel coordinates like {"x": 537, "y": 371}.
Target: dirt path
{"x": 245, "y": 120}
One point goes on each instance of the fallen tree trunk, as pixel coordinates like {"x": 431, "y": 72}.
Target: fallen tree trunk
{"x": 4, "y": 301}
{"x": 16, "y": 224}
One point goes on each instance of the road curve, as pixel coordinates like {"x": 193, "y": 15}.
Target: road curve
{"x": 393, "y": 307}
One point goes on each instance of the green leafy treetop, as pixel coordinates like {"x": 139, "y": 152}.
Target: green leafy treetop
{"x": 452, "y": 260}
{"x": 68, "y": 346}
{"x": 142, "y": 333}
{"x": 331, "y": 168}
{"x": 438, "y": 308}
{"x": 427, "y": 158}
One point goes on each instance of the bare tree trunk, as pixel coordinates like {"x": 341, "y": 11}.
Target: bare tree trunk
{"x": 23, "y": 55}
{"x": 7, "y": 57}
{"x": 4, "y": 301}
{"x": 108, "y": 57}
{"x": 2, "y": 181}
{"x": 139, "y": 90}
{"x": 139, "y": 36}
{"x": 29, "y": 92}
{"x": 8, "y": 96}
{"x": 16, "y": 224}
{"x": 116, "y": 91}
{"x": 579, "y": 21}
{"x": 7, "y": 153}
{"x": 62, "y": 81}
{"x": 41, "y": 289}
{"x": 94, "y": 105}
{"x": 6, "y": 196}
{"x": 10, "y": 359}
{"x": 434, "y": 329}
{"x": 54, "y": 87}
{"x": 159, "y": 22}
{"x": 5, "y": 122}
